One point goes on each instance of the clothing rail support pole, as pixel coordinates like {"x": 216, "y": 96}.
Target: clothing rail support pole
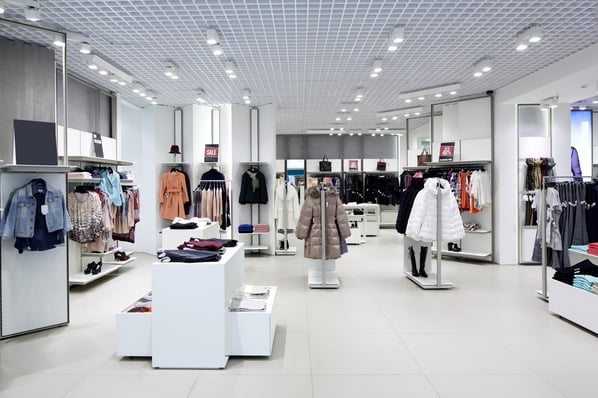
{"x": 543, "y": 213}
{"x": 438, "y": 237}
{"x": 323, "y": 229}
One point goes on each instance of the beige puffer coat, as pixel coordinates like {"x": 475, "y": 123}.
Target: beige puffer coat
{"x": 309, "y": 225}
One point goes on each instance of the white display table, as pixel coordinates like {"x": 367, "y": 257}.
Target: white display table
{"x": 371, "y": 211}
{"x": 190, "y": 325}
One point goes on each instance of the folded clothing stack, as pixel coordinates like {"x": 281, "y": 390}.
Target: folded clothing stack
{"x": 209, "y": 245}
{"x": 261, "y": 228}
{"x": 566, "y": 275}
{"x": 188, "y": 256}
{"x": 144, "y": 304}
{"x": 593, "y": 249}
{"x": 225, "y": 242}
{"x": 584, "y": 282}
{"x": 245, "y": 228}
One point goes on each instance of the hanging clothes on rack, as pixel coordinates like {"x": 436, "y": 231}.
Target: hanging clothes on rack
{"x": 353, "y": 188}
{"x": 309, "y": 226}
{"x": 172, "y": 195}
{"x": 36, "y": 215}
{"x": 211, "y": 198}
{"x": 554, "y": 243}
{"x": 422, "y": 220}
{"x": 286, "y": 201}
{"x": 85, "y": 209}
{"x": 253, "y": 187}
{"x": 406, "y": 203}
{"x": 126, "y": 216}
{"x": 382, "y": 189}
{"x": 537, "y": 168}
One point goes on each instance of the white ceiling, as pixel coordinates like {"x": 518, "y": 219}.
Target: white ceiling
{"x": 308, "y": 57}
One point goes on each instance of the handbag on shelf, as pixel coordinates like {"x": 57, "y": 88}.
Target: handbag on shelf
{"x": 424, "y": 158}
{"x": 381, "y": 165}
{"x": 325, "y": 164}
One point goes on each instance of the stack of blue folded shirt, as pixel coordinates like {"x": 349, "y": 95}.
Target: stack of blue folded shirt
{"x": 245, "y": 228}
{"x": 584, "y": 282}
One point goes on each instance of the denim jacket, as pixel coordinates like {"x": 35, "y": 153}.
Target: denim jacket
{"x": 19, "y": 218}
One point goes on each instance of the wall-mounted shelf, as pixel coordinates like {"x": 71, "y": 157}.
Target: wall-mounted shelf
{"x": 27, "y": 168}
{"x": 478, "y": 231}
{"x": 471, "y": 255}
{"x": 99, "y": 161}
{"x": 80, "y": 278}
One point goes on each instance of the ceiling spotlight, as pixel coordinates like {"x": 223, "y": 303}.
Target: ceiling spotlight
{"x": 2, "y": 7}
{"x": 338, "y": 134}
{"x": 359, "y": 133}
{"x": 136, "y": 88}
{"x": 485, "y": 65}
{"x": 200, "y": 96}
{"x": 453, "y": 93}
{"x": 216, "y": 49}
{"x": 169, "y": 70}
{"x": 373, "y": 134}
{"x": 92, "y": 65}
{"x": 384, "y": 119}
{"x": 341, "y": 129}
{"x": 232, "y": 76}
{"x": 595, "y": 102}
{"x": 534, "y": 34}
{"x": 245, "y": 93}
{"x": 521, "y": 44}
{"x": 103, "y": 72}
{"x": 408, "y": 100}
{"x": 229, "y": 67}
{"x": 438, "y": 95}
{"x": 150, "y": 95}
{"x": 359, "y": 92}
{"x": 85, "y": 48}
{"x": 212, "y": 37}
{"x": 377, "y": 66}
{"x": 122, "y": 83}
{"x": 421, "y": 98}
{"x": 407, "y": 115}
{"x": 395, "y": 117}
{"x": 338, "y": 119}
{"x": 331, "y": 128}
{"x": 378, "y": 129}
{"x": 344, "y": 110}
{"x": 154, "y": 102}
{"x": 349, "y": 118}
{"x": 582, "y": 108}
{"x": 355, "y": 109}
{"x": 32, "y": 13}
{"x": 113, "y": 78}
{"x": 417, "y": 113}
{"x": 392, "y": 46}
{"x": 330, "y": 134}
{"x": 58, "y": 41}
{"x": 351, "y": 134}
{"x": 142, "y": 92}
{"x": 373, "y": 74}
{"x": 397, "y": 35}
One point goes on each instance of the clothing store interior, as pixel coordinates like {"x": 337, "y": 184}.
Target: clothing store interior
{"x": 308, "y": 199}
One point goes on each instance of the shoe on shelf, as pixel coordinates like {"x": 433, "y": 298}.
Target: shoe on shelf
{"x": 121, "y": 256}
{"x": 97, "y": 268}
{"x": 89, "y": 268}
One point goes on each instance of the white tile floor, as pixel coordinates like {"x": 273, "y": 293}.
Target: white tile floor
{"x": 379, "y": 335}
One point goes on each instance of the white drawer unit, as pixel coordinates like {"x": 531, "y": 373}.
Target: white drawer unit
{"x": 133, "y": 333}
{"x": 251, "y": 333}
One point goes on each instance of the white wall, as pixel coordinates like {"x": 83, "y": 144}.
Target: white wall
{"x": 197, "y": 132}
{"x": 145, "y": 136}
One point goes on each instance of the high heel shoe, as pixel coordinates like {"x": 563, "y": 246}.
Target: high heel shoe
{"x": 97, "y": 269}
{"x": 90, "y": 267}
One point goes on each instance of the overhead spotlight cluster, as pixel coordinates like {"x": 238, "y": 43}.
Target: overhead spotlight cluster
{"x": 213, "y": 40}
{"x": 141, "y": 91}
{"x": 171, "y": 70}
{"x": 483, "y": 66}
{"x": 246, "y": 95}
{"x": 437, "y": 92}
{"x": 531, "y": 35}
{"x": 30, "y": 8}
{"x": 394, "y": 114}
{"x": 549, "y": 103}
{"x": 200, "y": 96}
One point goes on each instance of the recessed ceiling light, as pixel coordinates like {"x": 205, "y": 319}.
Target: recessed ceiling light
{"x": 595, "y": 102}
{"x": 378, "y": 129}
{"x": 154, "y": 102}
{"x": 373, "y": 134}
{"x": 417, "y": 113}
{"x": 91, "y": 65}
{"x": 59, "y": 41}
{"x": 373, "y": 74}
{"x": 103, "y": 72}
{"x": 229, "y": 67}
{"x": 395, "y": 117}
{"x": 216, "y": 49}
{"x": 232, "y": 76}
{"x": 349, "y": 118}
{"x": 438, "y": 95}
{"x": 248, "y": 101}
{"x": 343, "y": 110}
{"x": 212, "y": 37}
{"x": 338, "y": 134}
{"x": 332, "y": 128}
{"x": 351, "y": 134}
{"x": 408, "y": 100}
{"x": 359, "y": 133}
{"x": 338, "y": 119}
{"x": 245, "y": 93}
{"x": 341, "y": 129}
{"x": 384, "y": 119}
{"x": 453, "y": 93}
{"x": 330, "y": 134}
{"x": 377, "y": 66}
{"x": 355, "y": 109}
{"x": 113, "y": 78}
{"x": 407, "y": 115}
{"x": 421, "y": 98}
{"x": 122, "y": 83}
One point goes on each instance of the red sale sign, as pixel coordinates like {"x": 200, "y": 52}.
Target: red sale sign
{"x": 211, "y": 153}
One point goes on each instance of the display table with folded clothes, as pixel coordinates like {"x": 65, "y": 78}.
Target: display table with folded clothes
{"x": 573, "y": 291}
{"x": 201, "y": 228}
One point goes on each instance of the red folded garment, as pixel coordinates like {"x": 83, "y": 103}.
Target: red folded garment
{"x": 209, "y": 245}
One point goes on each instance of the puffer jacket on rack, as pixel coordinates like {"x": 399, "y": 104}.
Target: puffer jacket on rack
{"x": 309, "y": 226}
{"x": 423, "y": 218}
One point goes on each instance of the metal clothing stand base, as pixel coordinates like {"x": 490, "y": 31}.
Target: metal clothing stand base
{"x": 286, "y": 250}
{"x": 434, "y": 281}
{"x": 325, "y": 277}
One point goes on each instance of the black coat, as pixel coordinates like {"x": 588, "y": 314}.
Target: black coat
{"x": 249, "y": 194}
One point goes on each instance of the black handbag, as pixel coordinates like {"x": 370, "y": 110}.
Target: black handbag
{"x": 325, "y": 164}
{"x": 381, "y": 165}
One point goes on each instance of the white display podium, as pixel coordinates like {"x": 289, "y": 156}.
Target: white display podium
{"x": 171, "y": 238}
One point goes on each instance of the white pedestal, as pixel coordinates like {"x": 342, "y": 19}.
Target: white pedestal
{"x": 322, "y": 276}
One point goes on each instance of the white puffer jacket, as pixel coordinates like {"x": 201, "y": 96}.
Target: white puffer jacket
{"x": 422, "y": 220}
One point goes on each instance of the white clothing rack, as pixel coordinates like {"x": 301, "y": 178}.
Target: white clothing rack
{"x": 434, "y": 280}
{"x": 286, "y": 250}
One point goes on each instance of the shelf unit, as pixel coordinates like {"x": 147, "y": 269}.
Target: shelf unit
{"x": 77, "y": 262}
{"x": 257, "y": 241}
